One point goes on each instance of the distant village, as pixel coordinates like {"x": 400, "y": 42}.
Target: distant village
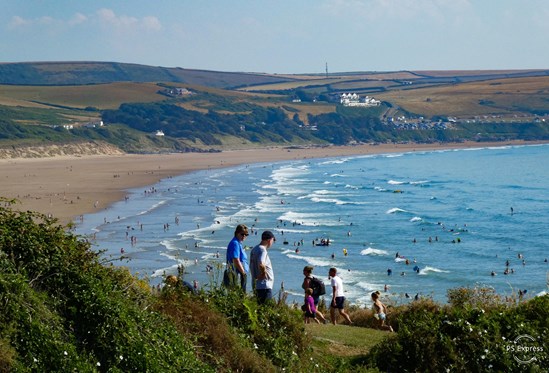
{"x": 354, "y": 100}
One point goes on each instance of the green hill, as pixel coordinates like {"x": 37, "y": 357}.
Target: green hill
{"x": 81, "y": 73}
{"x": 60, "y": 102}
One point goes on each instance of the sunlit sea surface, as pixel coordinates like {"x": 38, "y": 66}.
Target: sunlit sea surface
{"x": 455, "y": 216}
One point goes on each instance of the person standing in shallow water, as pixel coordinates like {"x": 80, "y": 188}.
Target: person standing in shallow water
{"x": 338, "y": 297}
{"x": 236, "y": 256}
{"x": 261, "y": 268}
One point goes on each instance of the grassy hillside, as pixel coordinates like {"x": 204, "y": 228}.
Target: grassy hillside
{"x": 100, "y": 96}
{"x": 224, "y": 110}
{"x": 79, "y": 73}
{"x": 500, "y": 96}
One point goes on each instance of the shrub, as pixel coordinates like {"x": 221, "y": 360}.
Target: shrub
{"x": 432, "y": 337}
{"x": 274, "y": 329}
{"x": 61, "y": 310}
{"x": 216, "y": 342}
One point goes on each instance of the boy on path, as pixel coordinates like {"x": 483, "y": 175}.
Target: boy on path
{"x": 338, "y": 297}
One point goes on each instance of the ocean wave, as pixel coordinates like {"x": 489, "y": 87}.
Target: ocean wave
{"x": 427, "y": 270}
{"x": 335, "y": 161}
{"x": 314, "y": 261}
{"x": 327, "y": 192}
{"x": 372, "y": 251}
{"x": 419, "y": 182}
{"x": 152, "y": 208}
{"x": 331, "y": 200}
{"x": 348, "y": 186}
{"x": 293, "y": 230}
{"x": 394, "y": 182}
{"x": 310, "y": 219}
{"x": 395, "y": 210}
{"x": 416, "y": 218}
{"x": 368, "y": 286}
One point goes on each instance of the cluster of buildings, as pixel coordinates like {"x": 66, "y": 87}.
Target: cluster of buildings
{"x": 96, "y": 124}
{"x": 353, "y": 99}
{"x": 403, "y": 123}
{"x": 177, "y": 92}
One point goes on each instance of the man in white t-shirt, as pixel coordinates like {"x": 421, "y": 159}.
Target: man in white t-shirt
{"x": 261, "y": 268}
{"x": 338, "y": 297}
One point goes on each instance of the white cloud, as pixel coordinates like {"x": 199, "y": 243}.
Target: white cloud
{"x": 109, "y": 18}
{"x": 17, "y": 22}
{"x": 105, "y": 17}
{"x": 152, "y": 23}
{"x": 77, "y": 19}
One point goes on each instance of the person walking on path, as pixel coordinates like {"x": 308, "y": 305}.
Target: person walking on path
{"x": 380, "y": 312}
{"x": 261, "y": 268}
{"x": 338, "y": 297}
{"x": 310, "y": 309}
{"x": 237, "y": 259}
{"x": 307, "y": 283}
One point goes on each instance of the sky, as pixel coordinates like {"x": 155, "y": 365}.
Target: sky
{"x": 281, "y": 36}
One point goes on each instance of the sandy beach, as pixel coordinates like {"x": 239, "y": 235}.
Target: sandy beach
{"x": 67, "y": 187}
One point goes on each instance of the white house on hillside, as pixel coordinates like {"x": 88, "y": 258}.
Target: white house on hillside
{"x": 352, "y": 99}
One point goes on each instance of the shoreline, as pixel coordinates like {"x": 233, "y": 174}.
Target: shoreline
{"x": 69, "y": 186}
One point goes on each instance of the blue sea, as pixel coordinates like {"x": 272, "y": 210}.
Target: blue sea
{"x": 437, "y": 219}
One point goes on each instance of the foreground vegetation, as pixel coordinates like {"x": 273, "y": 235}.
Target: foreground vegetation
{"x": 66, "y": 308}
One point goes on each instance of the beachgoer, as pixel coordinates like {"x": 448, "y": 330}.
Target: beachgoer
{"x": 338, "y": 297}
{"x": 380, "y": 312}
{"x": 308, "y": 273}
{"x": 237, "y": 259}
{"x": 310, "y": 309}
{"x": 261, "y": 268}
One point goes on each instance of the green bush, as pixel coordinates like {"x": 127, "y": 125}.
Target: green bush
{"x": 61, "y": 310}
{"x": 463, "y": 338}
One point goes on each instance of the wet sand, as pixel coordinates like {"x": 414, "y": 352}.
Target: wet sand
{"x": 67, "y": 187}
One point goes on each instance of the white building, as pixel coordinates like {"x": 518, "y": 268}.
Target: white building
{"x": 352, "y": 99}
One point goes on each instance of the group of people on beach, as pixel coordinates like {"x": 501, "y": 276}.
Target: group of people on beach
{"x": 260, "y": 269}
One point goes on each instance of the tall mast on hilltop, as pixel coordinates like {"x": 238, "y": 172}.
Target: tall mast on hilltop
{"x": 326, "y": 69}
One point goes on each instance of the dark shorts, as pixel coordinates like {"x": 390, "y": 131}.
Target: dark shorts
{"x": 310, "y": 314}
{"x": 263, "y": 295}
{"x": 339, "y": 302}
{"x": 316, "y": 298}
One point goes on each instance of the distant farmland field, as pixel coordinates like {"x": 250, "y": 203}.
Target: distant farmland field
{"x": 503, "y": 96}
{"x": 101, "y": 96}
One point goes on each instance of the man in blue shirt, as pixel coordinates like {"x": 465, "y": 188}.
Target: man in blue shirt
{"x": 261, "y": 268}
{"x": 236, "y": 256}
